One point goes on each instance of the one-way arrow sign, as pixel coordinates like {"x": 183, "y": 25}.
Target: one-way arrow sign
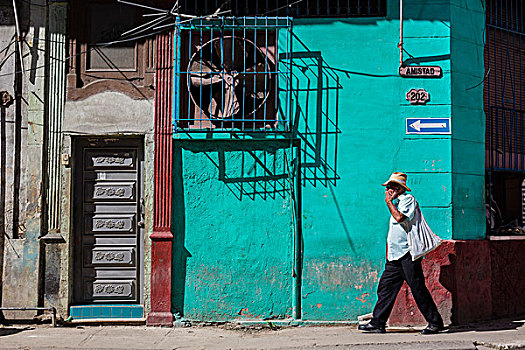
{"x": 428, "y": 126}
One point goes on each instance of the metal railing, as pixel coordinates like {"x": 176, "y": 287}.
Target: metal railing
{"x": 228, "y": 76}
{"x": 505, "y": 85}
{"x": 289, "y": 8}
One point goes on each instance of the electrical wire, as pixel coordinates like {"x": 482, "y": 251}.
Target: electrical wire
{"x": 96, "y": 47}
{"x": 282, "y": 7}
{"x": 156, "y": 30}
{"x": 481, "y": 82}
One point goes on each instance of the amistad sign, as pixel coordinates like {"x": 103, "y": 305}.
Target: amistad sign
{"x": 421, "y": 72}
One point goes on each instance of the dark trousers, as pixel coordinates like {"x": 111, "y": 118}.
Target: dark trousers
{"x": 390, "y": 283}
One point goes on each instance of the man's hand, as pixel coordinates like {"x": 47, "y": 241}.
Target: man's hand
{"x": 390, "y": 195}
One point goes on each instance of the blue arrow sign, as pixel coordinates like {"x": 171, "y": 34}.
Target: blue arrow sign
{"x": 428, "y": 126}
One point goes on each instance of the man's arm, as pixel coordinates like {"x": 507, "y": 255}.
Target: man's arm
{"x": 398, "y": 216}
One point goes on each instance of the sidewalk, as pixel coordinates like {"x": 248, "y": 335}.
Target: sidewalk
{"x": 494, "y": 335}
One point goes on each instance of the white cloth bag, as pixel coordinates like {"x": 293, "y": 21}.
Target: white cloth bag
{"x": 421, "y": 239}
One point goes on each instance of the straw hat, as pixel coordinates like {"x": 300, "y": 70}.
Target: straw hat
{"x": 398, "y": 178}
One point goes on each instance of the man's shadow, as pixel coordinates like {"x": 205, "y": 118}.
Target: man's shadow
{"x": 489, "y": 326}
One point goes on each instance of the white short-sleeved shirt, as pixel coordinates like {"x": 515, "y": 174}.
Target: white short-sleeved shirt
{"x": 397, "y": 233}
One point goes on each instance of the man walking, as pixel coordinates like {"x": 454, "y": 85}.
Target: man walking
{"x": 400, "y": 266}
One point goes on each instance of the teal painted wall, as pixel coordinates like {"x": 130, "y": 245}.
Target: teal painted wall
{"x": 232, "y": 222}
{"x": 468, "y": 142}
{"x": 353, "y": 137}
{"x": 346, "y": 222}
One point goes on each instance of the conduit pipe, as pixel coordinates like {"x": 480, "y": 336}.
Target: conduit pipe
{"x": 400, "y": 45}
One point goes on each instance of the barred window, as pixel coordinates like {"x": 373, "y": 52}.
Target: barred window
{"x": 292, "y": 8}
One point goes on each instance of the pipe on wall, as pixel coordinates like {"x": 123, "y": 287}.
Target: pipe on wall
{"x": 400, "y": 45}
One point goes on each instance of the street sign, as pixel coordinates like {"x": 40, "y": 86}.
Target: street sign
{"x": 421, "y": 72}
{"x": 440, "y": 126}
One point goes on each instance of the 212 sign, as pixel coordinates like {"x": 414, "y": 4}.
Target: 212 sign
{"x": 418, "y": 96}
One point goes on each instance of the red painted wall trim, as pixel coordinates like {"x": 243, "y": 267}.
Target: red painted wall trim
{"x": 161, "y": 238}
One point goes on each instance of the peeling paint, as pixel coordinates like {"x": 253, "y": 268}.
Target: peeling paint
{"x": 363, "y": 298}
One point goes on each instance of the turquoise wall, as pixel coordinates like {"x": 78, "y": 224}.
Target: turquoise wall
{"x": 232, "y": 223}
{"x": 468, "y": 140}
{"x": 235, "y": 252}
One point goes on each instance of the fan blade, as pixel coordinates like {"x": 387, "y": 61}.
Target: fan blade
{"x": 232, "y": 52}
{"x": 256, "y": 81}
{"x": 231, "y": 105}
{"x": 224, "y": 104}
{"x": 204, "y": 73}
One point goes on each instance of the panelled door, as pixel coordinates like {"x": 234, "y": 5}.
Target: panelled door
{"x": 108, "y": 221}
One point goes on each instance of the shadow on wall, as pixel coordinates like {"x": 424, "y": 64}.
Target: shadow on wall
{"x": 313, "y": 119}
{"x": 261, "y": 173}
{"x": 7, "y": 17}
{"x": 315, "y": 91}
{"x": 180, "y": 254}
{"x": 265, "y": 166}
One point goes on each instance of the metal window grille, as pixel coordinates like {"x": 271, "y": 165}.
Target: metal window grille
{"x": 229, "y": 77}
{"x": 505, "y": 85}
{"x": 289, "y": 8}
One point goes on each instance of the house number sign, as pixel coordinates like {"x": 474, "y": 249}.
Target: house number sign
{"x": 418, "y": 96}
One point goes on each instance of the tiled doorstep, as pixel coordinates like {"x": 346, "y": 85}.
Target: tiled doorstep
{"x": 106, "y": 311}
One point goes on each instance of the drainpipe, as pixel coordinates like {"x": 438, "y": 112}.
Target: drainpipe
{"x": 400, "y": 45}
{"x": 298, "y": 239}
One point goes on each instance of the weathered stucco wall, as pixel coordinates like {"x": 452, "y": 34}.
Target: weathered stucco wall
{"x": 361, "y": 121}
{"x": 7, "y": 132}
{"x": 112, "y": 114}
{"x": 22, "y": 153}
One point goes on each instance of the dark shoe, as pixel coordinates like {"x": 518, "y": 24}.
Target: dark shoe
{"x": 371, "y": 328}
{"x": 432, "y": 329}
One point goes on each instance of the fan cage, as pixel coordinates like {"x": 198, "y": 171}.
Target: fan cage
{"x": 228, "y": 75}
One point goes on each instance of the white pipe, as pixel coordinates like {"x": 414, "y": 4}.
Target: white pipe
{"x": 18, "y": 37}
{"x": 400, "y": 45}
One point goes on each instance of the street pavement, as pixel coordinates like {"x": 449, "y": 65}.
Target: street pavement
{"x": 508, "y": 334}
